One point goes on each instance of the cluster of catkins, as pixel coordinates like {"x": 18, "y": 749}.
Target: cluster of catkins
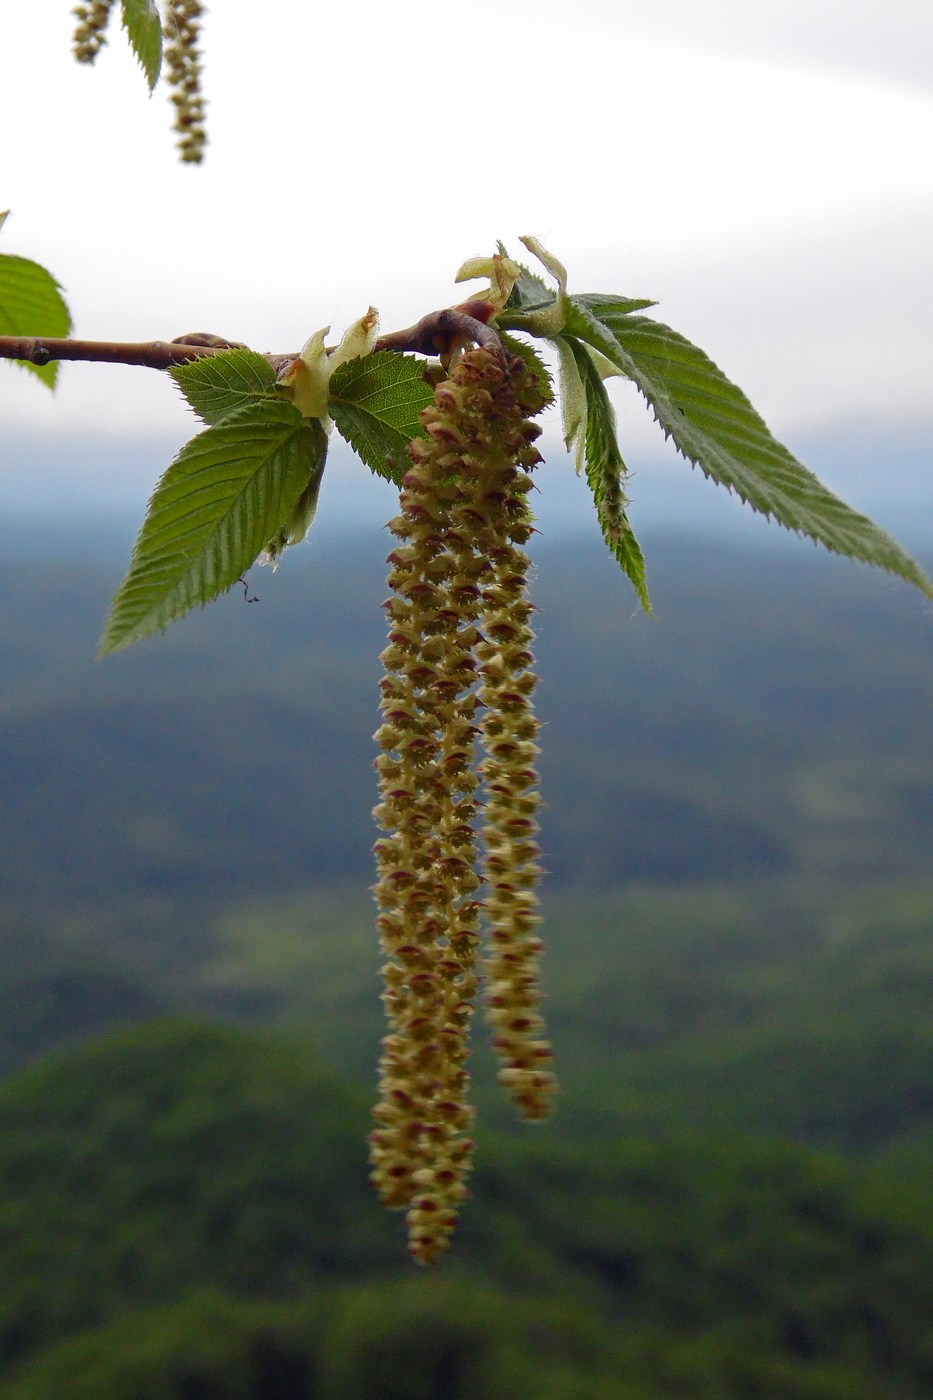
{"x": 182, "y": 63}
{"x": 458, "y": 667}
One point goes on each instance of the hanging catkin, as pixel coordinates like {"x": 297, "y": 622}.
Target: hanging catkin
{"x": 457, "y": 663}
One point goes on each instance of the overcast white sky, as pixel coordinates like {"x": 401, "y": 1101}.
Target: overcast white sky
{"x": 763, "y": 169}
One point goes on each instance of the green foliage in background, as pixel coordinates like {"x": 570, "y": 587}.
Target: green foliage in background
{"x": 235, "y": 766}
{"x": 183, "y": 1205}
{"x": 705, "y": 1216}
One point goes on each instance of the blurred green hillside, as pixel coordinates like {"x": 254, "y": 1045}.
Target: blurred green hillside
{"x": 185, "y": 1213}
{"x": 773, "y": 720}
{"x": 733, "y": 1199}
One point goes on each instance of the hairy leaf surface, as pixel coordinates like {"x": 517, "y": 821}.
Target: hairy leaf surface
{"x": 375, "y": 401}
{"x": 572, "y": 395}
{"x": 216, "y": 385}
{"x": 144, "y": 31}
{"x": 600, "y": 304}
{"x": 228, "y": 492}
{"x": 713, "y": 424}
{"x": 31, "y": 303}
{"x": 606, "y": 471}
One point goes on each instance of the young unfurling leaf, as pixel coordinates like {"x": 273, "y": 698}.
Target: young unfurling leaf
{"x": 606, "y": 471}
{"x": 216, "y": 385}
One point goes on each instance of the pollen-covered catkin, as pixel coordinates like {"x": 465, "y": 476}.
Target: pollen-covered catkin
{"x": 458, "y": 580}
{"x": 90, "y": 30}
{"x": 429, "y": 917}
{"x": 511, "y": 866}
{"x": 183, "y": 74}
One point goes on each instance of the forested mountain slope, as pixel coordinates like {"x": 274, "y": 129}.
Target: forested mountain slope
{"x": 184, "y": 1213}
{"x": 732, "y": 1200}
{"x": 773, "y": 719}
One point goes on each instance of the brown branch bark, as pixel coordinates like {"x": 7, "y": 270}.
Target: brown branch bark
{"x": 438, "y": 333}
{"x": 153, "y": 354}
{"x": 443, "y": 332}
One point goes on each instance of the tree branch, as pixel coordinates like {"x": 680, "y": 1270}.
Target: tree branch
{"x": 439, "y": 333}
{"x": 444, "y": 332}
{"x": 153, "y": 354}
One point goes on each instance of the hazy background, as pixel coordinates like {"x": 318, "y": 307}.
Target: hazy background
{"x": 733, "y": 1198}
{"x": 763, "y": 171}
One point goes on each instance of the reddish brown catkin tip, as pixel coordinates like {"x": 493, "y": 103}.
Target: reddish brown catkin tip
{"x": 462, "y": 505}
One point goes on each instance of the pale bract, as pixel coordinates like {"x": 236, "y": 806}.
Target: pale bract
{"x": 502, "y": 272}
{"x": 306, "y": 379}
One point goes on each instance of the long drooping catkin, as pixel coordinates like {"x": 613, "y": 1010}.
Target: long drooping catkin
{"x": 511, "y": 868}
{"x": 458, "y": 608}
{"x": 428, "y": 918}
{"x": 183, "y": 74}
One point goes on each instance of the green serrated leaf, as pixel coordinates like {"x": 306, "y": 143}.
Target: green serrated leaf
{"x": 600, "y": 304}
{"x": 713, "y": 425}
{"x": 228, "y": 492}
{"x": 144, "y": 31}
{"x": 534, "y": 362}
{"x": 606, "y": 472}
{"x": 376, "y": 402}
{"x": 31, "y": 303}
{"x": 216, "y": 385}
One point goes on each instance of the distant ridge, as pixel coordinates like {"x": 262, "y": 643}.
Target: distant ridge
{"x": 95, "y": 487}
